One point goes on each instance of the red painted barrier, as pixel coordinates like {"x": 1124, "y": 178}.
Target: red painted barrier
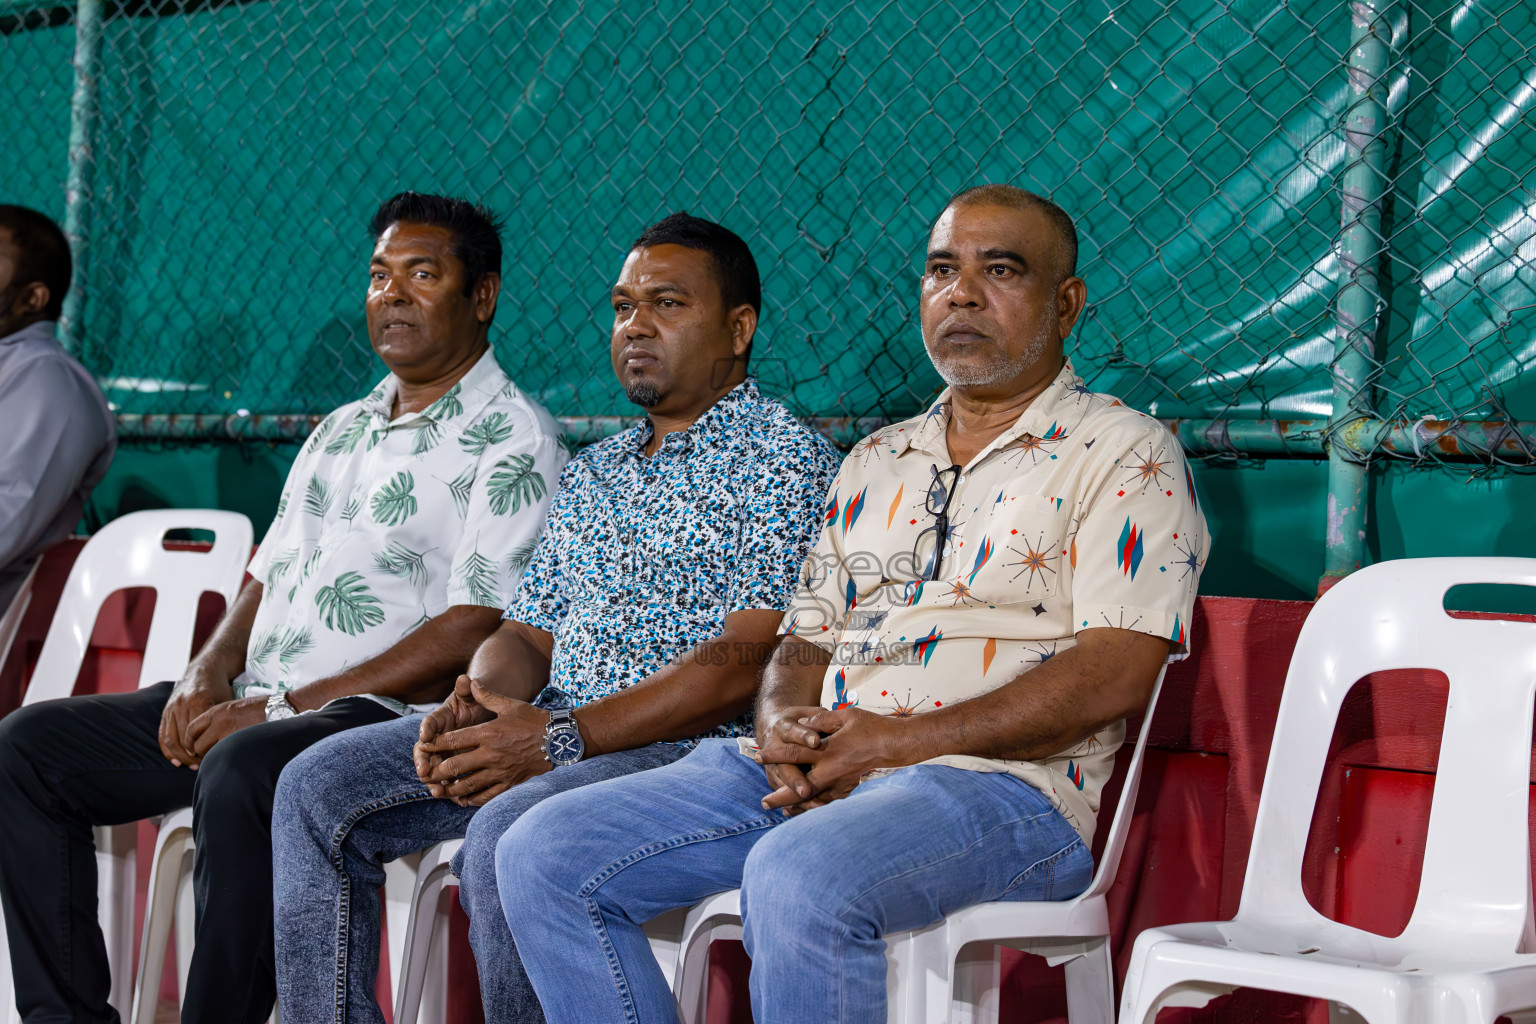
{"x": 1194, "y": 817}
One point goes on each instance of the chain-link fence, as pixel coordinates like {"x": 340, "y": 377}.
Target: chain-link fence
{"x": 234, "y": 151}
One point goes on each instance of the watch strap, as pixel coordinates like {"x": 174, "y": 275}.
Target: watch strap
{"x": 277, "y": 701}
{"x": 562, "y": 738}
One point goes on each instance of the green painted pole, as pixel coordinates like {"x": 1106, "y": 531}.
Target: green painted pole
{"x": 1358, "y": 305}
{"x": 83, "y": 107}
{"x": 1499, "y": 442}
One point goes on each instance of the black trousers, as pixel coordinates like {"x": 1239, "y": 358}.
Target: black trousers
{"x": 67, "y": 765}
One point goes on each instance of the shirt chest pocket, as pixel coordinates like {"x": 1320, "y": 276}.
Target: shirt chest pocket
{"x": 1014, "y": 552}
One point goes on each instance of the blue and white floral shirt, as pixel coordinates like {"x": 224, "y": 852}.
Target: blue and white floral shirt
{"x": 643, "y": 557}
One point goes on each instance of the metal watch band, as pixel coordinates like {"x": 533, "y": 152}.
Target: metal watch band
{"x": 280, "y": 707}
{"x": 563, "y": 744}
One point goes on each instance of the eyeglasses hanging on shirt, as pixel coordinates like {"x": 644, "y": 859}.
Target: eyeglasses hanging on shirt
{"x": 940, "y": 494}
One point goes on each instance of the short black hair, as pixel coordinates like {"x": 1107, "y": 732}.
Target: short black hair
{"x": 42, "y": 254}
{"x": 1022, "y": 199}
{"x": 476, "y": 230}
{"x": 735, "y": 269}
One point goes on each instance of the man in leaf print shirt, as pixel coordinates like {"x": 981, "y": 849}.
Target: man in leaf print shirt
{"x": 405, "y": 521}
{"x": 994, "y": 588}
{"x": 651, "y": 601}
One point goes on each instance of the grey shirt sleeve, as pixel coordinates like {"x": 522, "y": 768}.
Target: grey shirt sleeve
{"x": 51, "y": 436}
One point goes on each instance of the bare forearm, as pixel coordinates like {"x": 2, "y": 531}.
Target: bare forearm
{"x": 420, "y": 668}
{"x": 1047, "y": 709}
{"x": 223, "y": 655}
{"x": 514, "y": 661}
{"x": 712, "y": 683}
{"x": 680, "y": 701}
{"x": 793, "y": 677}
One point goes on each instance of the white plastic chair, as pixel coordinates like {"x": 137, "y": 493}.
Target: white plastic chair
{"x": 1462, "y": 957}
{"x": 951, "y": 970}
{"x": 422, "y": 978}
{"x": 10, "y": 622}
{"x": 128, "y": 553}
{"x": 170, "y": 900}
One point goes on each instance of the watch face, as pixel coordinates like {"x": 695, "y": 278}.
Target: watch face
{"x": 565, "y": 747}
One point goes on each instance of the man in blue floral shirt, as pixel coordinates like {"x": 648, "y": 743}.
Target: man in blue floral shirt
{"x": 640, "y": 625}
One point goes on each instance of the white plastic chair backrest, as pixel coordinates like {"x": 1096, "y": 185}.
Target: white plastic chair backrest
{"x": 126, "y": 553}
{"x": 1474, "y": 889}
{"x": 10, "y": 621}
{"x": 1120, "y": 824}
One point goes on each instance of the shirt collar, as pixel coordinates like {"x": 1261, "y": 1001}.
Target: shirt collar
{"x": 42, "y": 330}
{"x": 472, "y": 393}
{"x": 736, "y": 403}
{"x": 1046, "y": 417}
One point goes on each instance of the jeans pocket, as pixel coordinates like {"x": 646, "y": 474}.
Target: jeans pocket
{"x": 1060, "y": 876}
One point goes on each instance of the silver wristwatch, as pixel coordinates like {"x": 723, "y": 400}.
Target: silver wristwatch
{"x": 563, "y": 744}
{"x": 279, "y": 708}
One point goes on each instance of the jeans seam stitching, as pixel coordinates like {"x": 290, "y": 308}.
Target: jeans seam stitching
{"x": 1050, "y": 864}
{"x": 1076, "y": 841}
{"x": 344, "y": 908}
{"x": 615, "y": 968}
{"x": 676, "y": 842}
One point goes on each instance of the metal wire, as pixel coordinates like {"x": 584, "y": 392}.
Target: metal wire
{"x": 232, "y": 152}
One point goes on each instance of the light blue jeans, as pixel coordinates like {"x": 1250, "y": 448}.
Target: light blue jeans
{"x": 582, "y": 871}
{"x": 342, "y": 811}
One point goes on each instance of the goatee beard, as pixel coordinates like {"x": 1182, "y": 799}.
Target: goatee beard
{"x": 643, "y": 394}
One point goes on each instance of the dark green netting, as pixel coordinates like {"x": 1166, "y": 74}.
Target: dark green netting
{"x": 239, "y": 149}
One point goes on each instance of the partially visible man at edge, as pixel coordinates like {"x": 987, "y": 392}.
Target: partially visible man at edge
{"x": 404, "y": 524}
{"x": 651, "y": 602}
{"x": 997, "y": 583}
{"x": 59, "y": 436}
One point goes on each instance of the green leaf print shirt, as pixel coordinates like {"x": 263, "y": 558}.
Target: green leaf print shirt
{"x": 385, "y": 523}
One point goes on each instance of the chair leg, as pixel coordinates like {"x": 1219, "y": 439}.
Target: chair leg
{"x": 116, "y": 855}
{"x": 159, "y": 915}
{"x": 186, "y": 923}
{"x": 691, "y": 988}
{"x": 399, "y": 888}
{"x": 978, "y": 976}
{"x": 8, "y": 1012}
{"x": 665, "y": 934}
{"x": 919, "y": 976}
{"x": 1183, "y": 993}
{"x": 1091, "y": 985}
{"x": 426, "y": 906}
{"x": 434, "y": 989}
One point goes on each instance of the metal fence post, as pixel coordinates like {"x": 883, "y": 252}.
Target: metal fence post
{"x": 83, "y": 105}
{"x": 1358, "y": 303}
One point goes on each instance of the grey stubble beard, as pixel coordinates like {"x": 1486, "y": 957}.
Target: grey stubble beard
{"x": 964, "y": 375}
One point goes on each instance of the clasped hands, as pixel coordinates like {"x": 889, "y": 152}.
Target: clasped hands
{"x": 479, "y": 744}
{"x": 201, "y": 712}
{"x": 813, "y": 756}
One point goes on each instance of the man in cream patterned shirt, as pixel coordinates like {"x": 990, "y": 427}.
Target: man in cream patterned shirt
{"x": 400, "y": 536}
{"x": 996, "y": 585}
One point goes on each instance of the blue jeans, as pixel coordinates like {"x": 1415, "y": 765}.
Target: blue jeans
{"x": 342, "y": 811}
{"x": 581, "y": 872}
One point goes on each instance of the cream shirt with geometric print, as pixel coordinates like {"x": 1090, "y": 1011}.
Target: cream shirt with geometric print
{"x": 1082, "y": 514}
{"x": 385, "y": 523}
